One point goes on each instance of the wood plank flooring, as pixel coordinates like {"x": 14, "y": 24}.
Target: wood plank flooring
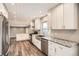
{"x": 23, "y": 48}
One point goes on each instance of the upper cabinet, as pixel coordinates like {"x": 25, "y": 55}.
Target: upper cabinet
{"x": 70, "y": 16}
{"x": 32, "y": 25}
{"x": 37, "y": 24}
{"x": 64, "y": 16}
{"x": 57, "y": 17}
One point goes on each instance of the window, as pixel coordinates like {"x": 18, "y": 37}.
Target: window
{"x": 45, "y": 28}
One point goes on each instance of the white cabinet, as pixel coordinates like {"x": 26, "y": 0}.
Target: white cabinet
{"x": 36, "y": 42}
{"x": 55, "y": 49}
{"x": 54, "y": 19}
{"x": 33, "y": 39}
{"x": 21, "y": 37}
{"x": 50, "y": 20}
{"x": 70, "y": 16}
{"x": 64, "y": 16}
{"x": 60, "y": 50}
{"x": 51, "y": 48}
{"x": 32, "y": 25}
{"x": 57, "y": 17}
{"x": 66, "y": 51}
{"x": 37, "y": 24}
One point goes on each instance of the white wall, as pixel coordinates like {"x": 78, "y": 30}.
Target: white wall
{"x": 14, "y": 31}
{"x": 19, "y": 22}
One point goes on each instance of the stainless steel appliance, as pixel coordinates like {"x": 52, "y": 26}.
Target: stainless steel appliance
{"x": 5, "y": 36}
{"x": 44, "y": 46}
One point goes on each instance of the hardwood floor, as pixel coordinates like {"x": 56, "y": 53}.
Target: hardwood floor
{"x": 23, "y": 48}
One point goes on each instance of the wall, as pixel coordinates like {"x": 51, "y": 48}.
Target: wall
{"x": 18, "y": 22}
{"x": 14, "y": 31}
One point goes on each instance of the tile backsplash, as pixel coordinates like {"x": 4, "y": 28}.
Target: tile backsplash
{"x": 64, "y": 34}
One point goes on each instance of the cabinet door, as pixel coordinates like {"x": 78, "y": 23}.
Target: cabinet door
{"x": 54, "y": 18}
{"x": 59, "y": 17}
{"x": 51, "y": 48}
{"x": 38, "y": 44}
{"x": 70, "y": 16}
{"x": 59, "y": 50}
{"x": 50, "y": 20}
{"x": 37, "y": 24}
{"x": 33, "y": 39}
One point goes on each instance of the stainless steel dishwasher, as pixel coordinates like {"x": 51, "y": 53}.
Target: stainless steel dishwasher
{"x": 44, "y": 46}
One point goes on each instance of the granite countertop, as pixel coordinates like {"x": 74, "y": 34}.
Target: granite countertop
{"x": 60, "y": 41}
{"x": 64, "y": 42}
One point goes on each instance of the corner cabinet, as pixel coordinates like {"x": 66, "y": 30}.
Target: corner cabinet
{"x": 64, "y": 16}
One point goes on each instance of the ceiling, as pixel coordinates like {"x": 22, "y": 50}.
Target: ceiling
{"x": 27, "y": 10}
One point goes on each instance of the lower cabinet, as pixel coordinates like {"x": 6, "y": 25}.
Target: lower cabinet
{"x": 55, "y": 49}
{"x": 51, "y": 48}
{"x": 36, "y": 42}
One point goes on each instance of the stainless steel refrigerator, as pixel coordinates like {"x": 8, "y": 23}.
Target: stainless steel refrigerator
{"x": 5, "y": 36}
